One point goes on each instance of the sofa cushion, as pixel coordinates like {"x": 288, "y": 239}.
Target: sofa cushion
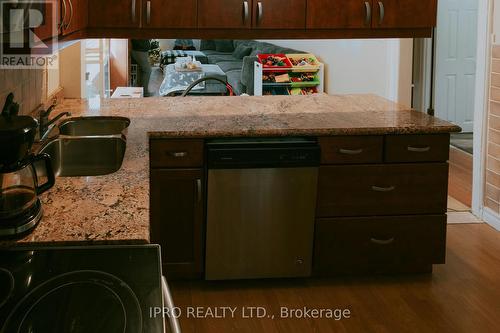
{"x": 224, "y": 45}
{"x": 230, "y": 65}
{"x": 233, "y": 78}
{"x": 241, "y": 51}
{"x": 207, "y": 44}
{"x": 215, "y": 58}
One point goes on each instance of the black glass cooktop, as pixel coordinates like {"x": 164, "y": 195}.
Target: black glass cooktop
{"x": 80, "y": 290}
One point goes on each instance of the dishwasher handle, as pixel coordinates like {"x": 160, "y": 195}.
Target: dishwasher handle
{"x": 169, "y": 304}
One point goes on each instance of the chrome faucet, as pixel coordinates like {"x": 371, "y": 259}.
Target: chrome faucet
{"x": 44, "y": 122}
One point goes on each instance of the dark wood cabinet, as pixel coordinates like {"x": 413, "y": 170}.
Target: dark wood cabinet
{"x": 352, "y": 149}
{"x": 279, "y": 14}
{"x": 397, "y": 14}
{"x": 417, "y": 148}
{"x": 379, "y": 244}
{"x": 225, "y": 14}
{"x": 50, "y": 26}
{"x": 176, "y": 14}
{"x": 114, "y": 13}
{"x": 339, "y": 14}
{"x": 382, "y": 189}
{"x": 177, "y": 220}
{"x": 75, "y": 16}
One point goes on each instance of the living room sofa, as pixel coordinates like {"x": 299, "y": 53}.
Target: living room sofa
{"x": 236, "y": 58}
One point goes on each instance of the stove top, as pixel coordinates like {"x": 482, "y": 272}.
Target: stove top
{"x": 80, "y": 289}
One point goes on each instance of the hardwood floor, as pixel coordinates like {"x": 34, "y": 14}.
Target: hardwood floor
{"x": 461, "y": 296}
{"x": 460, "y": 179}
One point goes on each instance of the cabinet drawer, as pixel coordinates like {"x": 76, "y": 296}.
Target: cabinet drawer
{"x": 351, "y": 149}
{"x": 382, "y": 189}
{"x": 417, "y": 148}
{"x": 176, "y": 153}
{"x": 379, "y": 244}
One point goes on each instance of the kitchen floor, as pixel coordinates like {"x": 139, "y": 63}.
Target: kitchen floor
{"x": 461, "y": 296}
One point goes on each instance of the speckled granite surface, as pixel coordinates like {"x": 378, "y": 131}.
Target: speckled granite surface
{"x": 115, "y": 208}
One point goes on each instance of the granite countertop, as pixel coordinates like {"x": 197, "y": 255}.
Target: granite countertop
{"x": 115, "y": 208}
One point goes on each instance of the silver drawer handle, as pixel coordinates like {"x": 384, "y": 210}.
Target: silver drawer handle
{"x": 419, "y": 149}
{"x": 246, "y": 12}
{"x": 350, "y": 151}
{"x": 260, "y": 12}
{"x": 368, "y": 16}
{"x": 177, "y": 153}
{"x": 383, "y": 189}
{"x": 133, "y": 4}
{"x": 382, "y": 241}
{"x": 198, "y": 189}
{"x": 148, "y": 12}
{"x": 382, "y": 12}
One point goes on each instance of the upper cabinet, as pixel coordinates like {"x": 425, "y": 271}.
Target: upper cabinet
{"x": 379, "y": 14}
{"x": 225, "y": 14}
{"x": 397, "y": 14}
{"x": 114, "y": 13}
{"x": 279, "y": 14}
{"x": 246, "y": 14}
{"x": 208, "y": 19}
{"x": 339, "y": 14}
{"x": 74, "y": 16}
{"x": 176, "y": 14}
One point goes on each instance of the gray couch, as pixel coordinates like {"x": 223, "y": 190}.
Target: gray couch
{"x": 236, "y": 58}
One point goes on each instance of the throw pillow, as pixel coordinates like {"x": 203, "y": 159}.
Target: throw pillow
{"x": 207, "y": 44}
{"x": 223, "y": 45}
{"x": 241, "y": 51}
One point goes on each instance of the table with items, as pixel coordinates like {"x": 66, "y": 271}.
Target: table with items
{"x": 175, "y": 81}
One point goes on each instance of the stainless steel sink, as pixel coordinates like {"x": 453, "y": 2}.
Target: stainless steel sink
{"x": 94, "y": 126}
{"x": 85, "y": 156}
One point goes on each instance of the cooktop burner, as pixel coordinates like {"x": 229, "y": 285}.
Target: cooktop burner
{"x": 81, "y": 290}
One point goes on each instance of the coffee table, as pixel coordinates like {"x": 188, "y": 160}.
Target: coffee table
{"x": 176, "y": 82}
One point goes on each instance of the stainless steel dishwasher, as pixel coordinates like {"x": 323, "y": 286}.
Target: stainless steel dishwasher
{"x": 260, "y": 207}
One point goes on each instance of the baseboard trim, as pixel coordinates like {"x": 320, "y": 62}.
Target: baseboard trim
{"x": 491, "y": 218}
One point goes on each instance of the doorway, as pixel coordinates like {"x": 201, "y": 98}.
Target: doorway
{"x": 444, "y": 84}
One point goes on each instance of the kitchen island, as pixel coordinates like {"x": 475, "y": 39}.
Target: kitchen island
{"x": 116, "y": 208}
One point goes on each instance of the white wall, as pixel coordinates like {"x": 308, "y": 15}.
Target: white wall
{"x": 379, "y": 66}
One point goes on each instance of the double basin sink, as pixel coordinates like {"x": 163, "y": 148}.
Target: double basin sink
{"x": 87, "y": 146}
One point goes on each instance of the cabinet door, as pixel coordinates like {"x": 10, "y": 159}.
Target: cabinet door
{"x": 339, "y": 14}
{"x": 404, "y": 14}
{"x": 169, "y": 13}
{"x": 76, "y": 16}
{"x": 279, "y": 14}
{"x": 177, "y": 220}
{"x": 114, "y": 13}
{"x": 224, "y": 14}
{"x": 382, "y": 244}
{"x": 51, "y": 19}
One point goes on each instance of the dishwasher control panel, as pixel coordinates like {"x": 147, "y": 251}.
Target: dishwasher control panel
{"x": 257, "y": 153}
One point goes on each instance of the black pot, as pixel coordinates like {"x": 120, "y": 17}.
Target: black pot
{"x": 17, "y": 134}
